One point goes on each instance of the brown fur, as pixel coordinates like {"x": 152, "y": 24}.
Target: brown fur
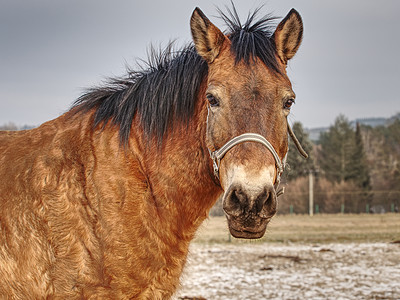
{"x": 82, "y": 217}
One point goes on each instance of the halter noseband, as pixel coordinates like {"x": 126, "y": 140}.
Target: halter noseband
{"x": 217, "y": 155}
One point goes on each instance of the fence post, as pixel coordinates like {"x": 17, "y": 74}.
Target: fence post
{"x": 291, "y": 209}
{"x": 316, "y": 209}
{"x": 392, "y": 207}
{"x": 342, "y": 209}
{"x": 367, "y": 208}
{"x": 311, "y": 193}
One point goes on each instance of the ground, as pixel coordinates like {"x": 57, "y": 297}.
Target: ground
{"x": 323, "y": 257}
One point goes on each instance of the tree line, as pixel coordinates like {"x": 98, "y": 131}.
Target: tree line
{"x": 356, "y": 170}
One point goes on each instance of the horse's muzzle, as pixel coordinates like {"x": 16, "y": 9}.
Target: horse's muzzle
{"x": 248, "y": 211}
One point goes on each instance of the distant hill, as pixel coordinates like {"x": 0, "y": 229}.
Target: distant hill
{"x": 314, "y": 133}
{"x": 373, "y": 122}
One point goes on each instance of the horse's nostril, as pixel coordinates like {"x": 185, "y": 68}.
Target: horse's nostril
{"x": 262, "y": 200}
{"x": 266, "y": 205}
{"x": 239, "y": 196}
{"x": 234, "y": 200}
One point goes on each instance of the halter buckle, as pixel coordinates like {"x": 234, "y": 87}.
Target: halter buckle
{"x": 216, "y": 163}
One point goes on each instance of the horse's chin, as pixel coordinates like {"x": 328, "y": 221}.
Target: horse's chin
{"x": 238, "y": 230}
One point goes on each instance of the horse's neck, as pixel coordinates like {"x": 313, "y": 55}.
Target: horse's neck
{"x": 180, "y": 176}
{"x": 176, "y": 179}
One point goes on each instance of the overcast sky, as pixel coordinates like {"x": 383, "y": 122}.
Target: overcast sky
{"x": 51, "y": 50}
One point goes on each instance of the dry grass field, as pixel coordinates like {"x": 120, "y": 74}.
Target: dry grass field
{"x": 321, "y": 228}
{"x": 301, "y": 257}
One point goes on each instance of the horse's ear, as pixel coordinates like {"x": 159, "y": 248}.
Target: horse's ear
{"x": 288, "y": 36}
{"x": 207, "y": 38}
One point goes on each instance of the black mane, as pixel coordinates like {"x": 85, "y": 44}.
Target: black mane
{"x": 166, "y": 91}
{"x": 252, "y": 39}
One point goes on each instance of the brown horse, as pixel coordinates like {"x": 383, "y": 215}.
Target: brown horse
{"x": 103, "y": 201}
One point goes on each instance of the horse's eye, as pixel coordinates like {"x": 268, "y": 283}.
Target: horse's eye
{"x": 212, "y": 100}
{"x": 288, "y": 104}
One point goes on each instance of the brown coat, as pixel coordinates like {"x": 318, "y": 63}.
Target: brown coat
{"x": 79, "y": 217}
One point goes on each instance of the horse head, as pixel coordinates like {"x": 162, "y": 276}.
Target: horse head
{"x": 248, "y": 94}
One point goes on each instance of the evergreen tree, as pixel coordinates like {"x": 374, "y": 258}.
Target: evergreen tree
{"x": 360, "y": 174}
{"x": 359, "y": 171}
{"x": 385, "y": 156}
{"x": 336, "y": 151}
{"x": 297, "y": 165}
{"x": 392, "y": 148}
{"x": 382, "y": 148}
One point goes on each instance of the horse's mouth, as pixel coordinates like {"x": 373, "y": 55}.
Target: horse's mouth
{"x": 248, "y": 233}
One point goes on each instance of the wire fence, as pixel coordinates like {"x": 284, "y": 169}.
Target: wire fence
{"x": 335, "y": 201}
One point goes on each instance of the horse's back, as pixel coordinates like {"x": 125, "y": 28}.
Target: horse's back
{"x": 21, "y": 154}
{"x": 20, "y": 238}
{"x": 7, "y": 138}
{"x": 31, "y": 166}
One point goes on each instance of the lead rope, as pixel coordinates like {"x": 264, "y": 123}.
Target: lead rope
{"x": 296, "y": 142}
{"x": 217, "y": 155}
